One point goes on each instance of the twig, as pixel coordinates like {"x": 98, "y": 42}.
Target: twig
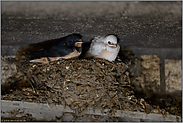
{"x": 113, "y": 97}
{"x": 79, "y": 75}
{"x": 124, "y": 85}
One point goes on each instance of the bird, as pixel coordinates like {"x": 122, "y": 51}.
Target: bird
{"x": 105, "y": 47}
{"x": 67, "y": 47}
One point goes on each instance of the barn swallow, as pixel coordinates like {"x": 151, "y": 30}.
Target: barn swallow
{"x": 105, "y": 47}
{"x": 67, "y": 47}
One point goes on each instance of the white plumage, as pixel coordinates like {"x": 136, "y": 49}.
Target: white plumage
{"x": 105, "y": 47}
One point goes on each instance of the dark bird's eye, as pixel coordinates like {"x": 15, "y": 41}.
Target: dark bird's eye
{"x": 109, "y": 42}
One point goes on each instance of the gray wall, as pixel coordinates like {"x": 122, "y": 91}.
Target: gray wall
{"x": 138, "y": 24}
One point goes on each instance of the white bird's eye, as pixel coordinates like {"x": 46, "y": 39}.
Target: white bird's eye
{"x": 109, "y": 42}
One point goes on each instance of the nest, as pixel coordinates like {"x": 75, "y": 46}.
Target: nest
{"x": 79, "y": 84}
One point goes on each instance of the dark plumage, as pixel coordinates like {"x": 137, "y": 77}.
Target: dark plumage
{"x": 62, "y": 48}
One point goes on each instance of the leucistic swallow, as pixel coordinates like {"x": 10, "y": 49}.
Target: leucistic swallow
{"x": 105, "y": 47}
{"x": 67, "y": 47}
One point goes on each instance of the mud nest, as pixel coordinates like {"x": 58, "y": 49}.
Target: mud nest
{"x": 79, "y": 84}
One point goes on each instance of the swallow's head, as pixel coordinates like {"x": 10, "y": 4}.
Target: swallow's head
{"x": 111, "y": 41}
{"x": 76, "y": 41}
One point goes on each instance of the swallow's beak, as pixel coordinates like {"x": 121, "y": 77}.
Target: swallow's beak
{"x": 113, "y": 45}
{"x": 78, "y": 44}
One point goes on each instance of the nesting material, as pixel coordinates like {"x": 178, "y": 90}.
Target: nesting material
{"x": 80, "y": 84}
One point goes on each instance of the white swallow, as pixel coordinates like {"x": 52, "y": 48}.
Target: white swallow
{"x": 105, "y": 47}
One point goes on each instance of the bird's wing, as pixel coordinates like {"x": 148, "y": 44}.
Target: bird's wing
{"x": 52, "y": 50}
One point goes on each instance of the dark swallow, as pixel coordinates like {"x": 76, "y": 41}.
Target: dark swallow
{"x": 67, "y": 47}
